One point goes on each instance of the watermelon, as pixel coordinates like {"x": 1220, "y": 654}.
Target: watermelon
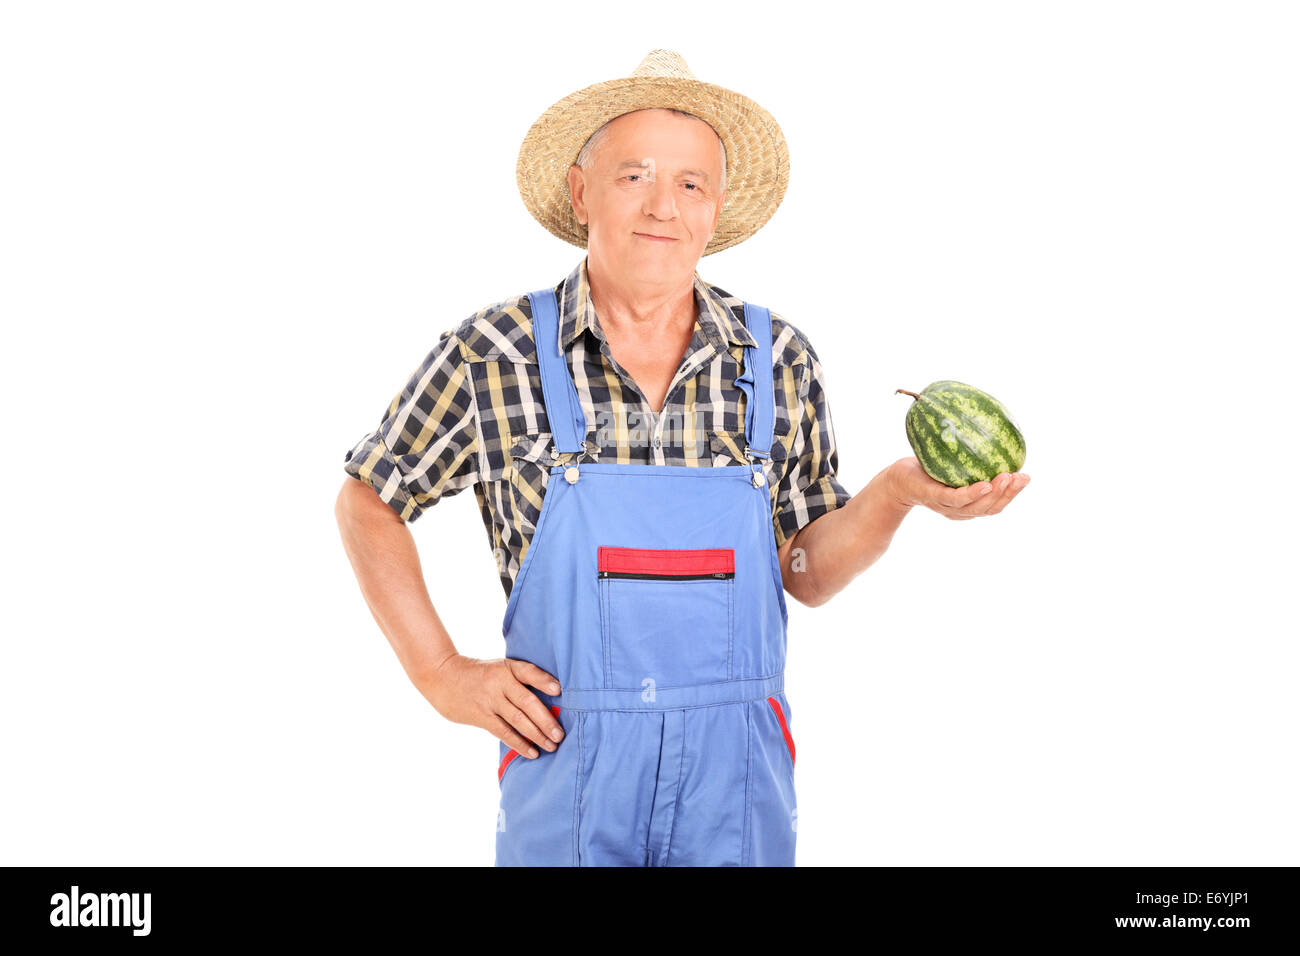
{"x": 962, "y": 435}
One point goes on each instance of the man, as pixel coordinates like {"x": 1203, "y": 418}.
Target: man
{"x": 648, "y": 451}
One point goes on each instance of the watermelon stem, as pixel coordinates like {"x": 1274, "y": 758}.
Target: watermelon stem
{"x": 906, "y": 392}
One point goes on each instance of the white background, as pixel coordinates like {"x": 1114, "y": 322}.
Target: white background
{"x": 231, "y": 231}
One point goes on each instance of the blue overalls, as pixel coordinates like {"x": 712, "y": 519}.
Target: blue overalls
{"x": 653, "y": 594}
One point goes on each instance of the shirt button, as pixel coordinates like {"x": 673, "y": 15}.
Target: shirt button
{"x": 656, "y": 442}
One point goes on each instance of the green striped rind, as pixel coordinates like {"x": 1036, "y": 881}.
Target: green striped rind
{"x": 962, "y": 435}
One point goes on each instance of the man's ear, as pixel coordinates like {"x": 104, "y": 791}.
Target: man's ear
{"x": 576, "y": 189}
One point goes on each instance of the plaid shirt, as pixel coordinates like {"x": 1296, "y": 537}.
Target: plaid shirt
{"x": 473, "y": 414}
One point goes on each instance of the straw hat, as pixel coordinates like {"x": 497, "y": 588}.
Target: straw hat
{"x": 758, "y": 163}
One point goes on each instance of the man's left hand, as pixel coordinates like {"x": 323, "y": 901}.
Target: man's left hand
{"x": 910, "y": 486}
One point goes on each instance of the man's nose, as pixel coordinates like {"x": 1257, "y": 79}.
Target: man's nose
{"x": 660, "y": 200}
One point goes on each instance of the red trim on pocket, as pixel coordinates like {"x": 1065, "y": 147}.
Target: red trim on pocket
{"x": 780, "y": 716}
{"x": 511, "y": 754}
{"x": 662, "y": 561}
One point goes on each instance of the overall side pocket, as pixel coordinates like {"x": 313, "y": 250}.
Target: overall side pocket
{"x": 511, "y": 754}
{"x": 785, "y": 726}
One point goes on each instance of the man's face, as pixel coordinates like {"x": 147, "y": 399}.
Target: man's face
{"x": 623, "y": 208}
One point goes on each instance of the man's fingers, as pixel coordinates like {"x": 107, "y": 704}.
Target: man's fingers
{"x": 1005, "y": 487}
{"x": 517, "y": 719}
{"x": 1002, "y": 498}
{"x": 507, "y": 735}
{"x": 958, "y": 498}
{"x": 1012, "y": 490}
{"x": 986, "y": 503}
{"x": 529, "y": 673}
{"x": 528, "y": 702}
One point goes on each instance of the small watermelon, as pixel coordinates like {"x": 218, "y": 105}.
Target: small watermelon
{"x": 962, "y": 435}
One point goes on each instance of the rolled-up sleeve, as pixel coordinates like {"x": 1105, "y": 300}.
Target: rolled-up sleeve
{"x": 425, "y": 447}
{"x": 809, "y": 487}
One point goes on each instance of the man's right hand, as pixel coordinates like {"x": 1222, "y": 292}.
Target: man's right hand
{"x": 495, "y": 695}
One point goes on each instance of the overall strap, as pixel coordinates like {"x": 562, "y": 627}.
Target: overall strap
{"x": 563, "y": 409}
{"x": 757, "y": 383}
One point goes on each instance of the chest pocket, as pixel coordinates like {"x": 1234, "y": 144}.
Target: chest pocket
{"x": 666, "y": 616}
{"x": 529, "y": 469}
{"x": 532, "y": 448}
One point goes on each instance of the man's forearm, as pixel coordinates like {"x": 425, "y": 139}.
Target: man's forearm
{"x": 387, "y": 565}
{"x": 824, "y": 556}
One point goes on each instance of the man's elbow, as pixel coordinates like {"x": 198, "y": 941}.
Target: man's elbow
{"x": 805, "y": 592}
{"x": 796, "y": 577}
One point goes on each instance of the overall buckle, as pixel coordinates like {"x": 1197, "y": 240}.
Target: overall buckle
{"x": 571, "y": 466}
{"x": 760, "y": 477}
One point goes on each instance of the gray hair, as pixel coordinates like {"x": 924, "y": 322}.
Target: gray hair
{"x": 589, "y": 147}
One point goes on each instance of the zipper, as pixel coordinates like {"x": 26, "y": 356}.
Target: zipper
{"x": 683, "y": 564}
{"x": 720, "y": 575}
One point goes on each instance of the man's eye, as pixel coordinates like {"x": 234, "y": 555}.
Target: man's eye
{"x": 694, "y": 187}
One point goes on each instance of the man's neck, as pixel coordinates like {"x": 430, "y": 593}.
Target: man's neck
{"x": 642, "y": 312}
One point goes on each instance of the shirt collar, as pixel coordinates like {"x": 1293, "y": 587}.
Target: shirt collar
{"x": 714, "y": 317}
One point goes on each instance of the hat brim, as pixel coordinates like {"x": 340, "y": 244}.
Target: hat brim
{"x": 758, "y": 161}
